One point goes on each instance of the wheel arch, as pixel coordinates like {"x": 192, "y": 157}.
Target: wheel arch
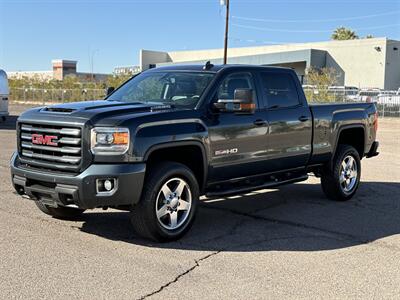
{"x": 177, "y": 152}
{"x": 353, "y": 135}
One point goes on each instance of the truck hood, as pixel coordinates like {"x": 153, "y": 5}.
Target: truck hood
{"x": 92, "y": 111}
{"x": 88, "y": 108}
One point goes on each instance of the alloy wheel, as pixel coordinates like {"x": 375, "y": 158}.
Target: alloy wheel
{"x": 348, "y": 174}
{"x": 173, "y": 204}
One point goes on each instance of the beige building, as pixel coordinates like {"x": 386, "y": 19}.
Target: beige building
{"x": 364, "y": 63}
{"x": 61, "y": 69}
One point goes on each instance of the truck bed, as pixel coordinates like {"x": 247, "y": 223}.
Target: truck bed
{"x": 330, "y": 118}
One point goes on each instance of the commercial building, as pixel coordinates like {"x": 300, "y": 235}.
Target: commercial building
{"x": 129, "y": 70}
{"x": 364, "y": 63}
{"x": 60, "y": 69}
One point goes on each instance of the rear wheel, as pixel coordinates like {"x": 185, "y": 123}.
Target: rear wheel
{"x": 168, "y": 205}
{"x": 341, "y": 180}
{"x": 65, "y": 213}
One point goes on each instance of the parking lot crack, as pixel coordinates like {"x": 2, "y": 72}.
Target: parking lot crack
{"x": 177, "y": 278}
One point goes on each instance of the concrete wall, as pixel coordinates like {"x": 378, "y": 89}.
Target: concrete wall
{"x": 362, "y": 65}
{"x": 392, "y": 70}
{"x": 148, "y": 57}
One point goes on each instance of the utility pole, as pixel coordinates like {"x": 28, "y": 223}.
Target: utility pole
{"x": 226, "y": 2}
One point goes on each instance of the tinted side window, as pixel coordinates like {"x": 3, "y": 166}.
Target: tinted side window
{"x": 279, "y": 90}
{"x": 236, "y": 81}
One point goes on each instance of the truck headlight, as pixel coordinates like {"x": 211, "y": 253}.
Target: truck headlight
{"x": 109, "y": 140}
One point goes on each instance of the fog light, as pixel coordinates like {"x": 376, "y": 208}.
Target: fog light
{"x": 108, "y": 185}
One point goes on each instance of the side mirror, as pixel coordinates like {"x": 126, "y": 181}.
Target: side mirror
{"x": 109, "y": 90}
{"x": 242, "y": 103}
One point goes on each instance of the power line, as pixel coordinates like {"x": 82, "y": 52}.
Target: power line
{"x": 310, "y": 31}
{"x": 258, "y": 41}
{"x": 316, "y": 20}
{"x": 371, "y": 41}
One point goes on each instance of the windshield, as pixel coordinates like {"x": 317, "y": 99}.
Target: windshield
{"x": 178, "y": 89}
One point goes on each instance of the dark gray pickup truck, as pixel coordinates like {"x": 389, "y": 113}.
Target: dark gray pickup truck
{"x": 169, "y": 135}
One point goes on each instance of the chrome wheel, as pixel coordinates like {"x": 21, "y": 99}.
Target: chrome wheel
{"x": 173, "y": 203}
{"x": 348, "y": 174}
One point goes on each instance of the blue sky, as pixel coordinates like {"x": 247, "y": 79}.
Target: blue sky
{"x": 32, "y": 32}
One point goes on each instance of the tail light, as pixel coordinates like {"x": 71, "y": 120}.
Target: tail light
{"x": 376, "y": 121}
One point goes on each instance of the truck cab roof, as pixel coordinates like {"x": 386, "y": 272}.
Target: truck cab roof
{"x": 214, "y": 68}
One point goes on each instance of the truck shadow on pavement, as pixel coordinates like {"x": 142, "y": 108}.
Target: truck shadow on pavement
{"x": 291, "y": 218}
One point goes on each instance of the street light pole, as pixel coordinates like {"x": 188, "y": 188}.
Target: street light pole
{"x": 92, "y": 63}
{"x": 226, "y": 33}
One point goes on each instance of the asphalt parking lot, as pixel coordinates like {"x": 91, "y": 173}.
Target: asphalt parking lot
{"x": 283, "y": 243}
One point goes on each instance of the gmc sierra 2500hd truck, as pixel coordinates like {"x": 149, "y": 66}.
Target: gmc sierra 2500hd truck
{"x": 171, "y": 134}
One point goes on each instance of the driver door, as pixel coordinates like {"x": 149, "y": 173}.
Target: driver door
{"x": 238, "y": 142}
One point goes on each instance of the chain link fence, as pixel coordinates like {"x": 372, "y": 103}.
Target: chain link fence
{"x": 51, "y": 96}
{"x": 387, "y": 102}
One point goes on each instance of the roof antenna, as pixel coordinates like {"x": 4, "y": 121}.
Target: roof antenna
{"x": 208, "y": 66}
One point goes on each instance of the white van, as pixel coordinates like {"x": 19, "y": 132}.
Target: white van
{"x": 4, "y": 92}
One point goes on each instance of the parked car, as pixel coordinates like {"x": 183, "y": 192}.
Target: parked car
{"x": 344, "y": 92}
{"x": 4, "y": 92}
{"x": 368, "y": 95}
{"x": 172, "y": 134}
{"x": 389, "y": 98}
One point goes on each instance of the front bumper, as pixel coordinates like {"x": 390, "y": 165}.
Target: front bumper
{"x": 56, "y": 189}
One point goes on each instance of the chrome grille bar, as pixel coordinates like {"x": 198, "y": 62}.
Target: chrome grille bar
{"x": 63, "y": 159}
{"x": 62, "y": 131}
{"x": 70, "y": 150}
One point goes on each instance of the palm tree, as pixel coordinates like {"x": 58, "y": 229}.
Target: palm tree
{"x": 343, "y": 33}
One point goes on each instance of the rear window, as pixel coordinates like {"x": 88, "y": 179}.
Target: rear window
{"x": 279, "y": 90}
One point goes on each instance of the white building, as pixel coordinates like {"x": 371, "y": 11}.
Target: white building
{"x": 127, "y": 70}
{"x": 362, "y": 63}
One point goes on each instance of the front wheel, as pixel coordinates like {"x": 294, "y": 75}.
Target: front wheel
{"x": 168, "y": 204}
{"x": 64, "y": 213}
{"x": 341, "y": 180}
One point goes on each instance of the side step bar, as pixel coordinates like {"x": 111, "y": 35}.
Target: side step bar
{"x": 247, "y": 189}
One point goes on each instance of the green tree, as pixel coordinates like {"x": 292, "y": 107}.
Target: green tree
{"x": 343, "y": 33}
{"x": 117, "y": 80}
{"x": 320, "y": 80}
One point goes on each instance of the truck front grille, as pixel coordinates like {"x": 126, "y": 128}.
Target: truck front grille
{"x": 50, "y": 146}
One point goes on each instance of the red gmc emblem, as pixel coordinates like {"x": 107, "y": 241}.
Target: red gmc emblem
{"x": 40, "y": 139}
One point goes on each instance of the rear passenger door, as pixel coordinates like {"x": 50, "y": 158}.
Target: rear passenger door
{"x": 289, "y": 118}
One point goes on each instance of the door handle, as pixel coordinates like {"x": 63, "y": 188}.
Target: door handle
{"x": 260, "y": 122}
{"x": 303, "y": 118}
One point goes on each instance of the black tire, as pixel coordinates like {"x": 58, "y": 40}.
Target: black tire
{"x": 64, "y": 213}
{"x": 144, "y": 217}
{"x": 331, "y": 175}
